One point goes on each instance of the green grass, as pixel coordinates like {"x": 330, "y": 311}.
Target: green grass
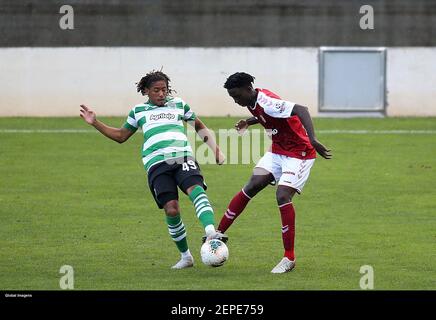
{"x": 80, "y": 199}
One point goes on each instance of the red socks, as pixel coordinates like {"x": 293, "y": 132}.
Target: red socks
{"x": 287, "y": 214}
{"x": 236, "y": 206}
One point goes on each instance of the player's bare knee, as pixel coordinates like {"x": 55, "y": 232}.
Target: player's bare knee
{"x": 189, "y": 190}
{"x": 253, "y": 187}
{"x": 171, "y": 208}
{"x": 257, "y": 183}
{"x": 282, "y": 198}
{"x": 250, "y": 190}
{"x": 284, "y": 195}
{"x": 171, "y": 211}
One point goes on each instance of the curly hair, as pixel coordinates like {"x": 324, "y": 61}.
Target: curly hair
{"x": 238, "y": 80}
{"x": 149, "y": 78}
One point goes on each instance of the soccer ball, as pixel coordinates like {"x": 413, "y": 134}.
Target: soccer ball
{"x": 214, "y": 253}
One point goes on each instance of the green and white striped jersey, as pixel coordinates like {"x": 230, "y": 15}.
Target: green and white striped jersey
{"x": 163, "y": 129}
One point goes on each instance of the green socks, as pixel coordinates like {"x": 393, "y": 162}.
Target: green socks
{"x": 177, "y": 231}
{"x": 203, "y": 209}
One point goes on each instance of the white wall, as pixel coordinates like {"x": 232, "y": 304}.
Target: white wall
{"x": 411, "y": 82}
{"x": 55, "y": 81}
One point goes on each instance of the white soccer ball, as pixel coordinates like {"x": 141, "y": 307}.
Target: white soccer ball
{"x": 214, "y": 253}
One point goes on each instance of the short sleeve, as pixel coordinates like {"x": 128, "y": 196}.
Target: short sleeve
{"x": 275, "y": 108}
{"x": 188, "y": 114}
{"x": 131, "y": 122}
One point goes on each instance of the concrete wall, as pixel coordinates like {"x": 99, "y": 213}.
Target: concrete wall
{"x": 411, "y": 82}
{"x": 213, "y": 23}
{"x": 54, "y": 81}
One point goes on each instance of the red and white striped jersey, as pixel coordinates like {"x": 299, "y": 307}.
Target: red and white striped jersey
{"x": 288, "y": 134}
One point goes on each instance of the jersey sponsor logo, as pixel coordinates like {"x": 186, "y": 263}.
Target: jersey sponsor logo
{"x": 262, "y": 99}
{"x": 265, "y": 100}
{"x": 168, "y": 116}
{"x": 289, "y": 172}
{"x": 280, "y": 106}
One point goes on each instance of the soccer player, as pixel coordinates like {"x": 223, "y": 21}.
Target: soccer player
{"x": 287, "y": 163}
{"x": 167, "y": 155}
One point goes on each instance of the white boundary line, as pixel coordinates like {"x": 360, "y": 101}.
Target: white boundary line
{"x": 377, "y": 131}
{"x": 318, "y": 131}
{"x": 47, "y": 131}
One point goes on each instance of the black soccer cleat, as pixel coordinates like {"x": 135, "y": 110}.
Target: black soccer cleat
{"x": 218, "y": 235}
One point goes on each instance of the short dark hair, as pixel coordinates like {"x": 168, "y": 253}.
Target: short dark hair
{"x": 151, "y": 77}
{"x": 238, "y": 80}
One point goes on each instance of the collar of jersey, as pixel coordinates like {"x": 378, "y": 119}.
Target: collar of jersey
{"x": 151, "y": 104}
{"x": 257, "y": 97}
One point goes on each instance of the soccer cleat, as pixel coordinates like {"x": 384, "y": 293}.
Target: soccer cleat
{"x": 285, "y": 265}
{"x": 184, "y": 263}
{"x": 218, "y": 235}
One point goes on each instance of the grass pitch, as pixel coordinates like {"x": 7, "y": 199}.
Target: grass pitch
{"x": 79, "y": 199}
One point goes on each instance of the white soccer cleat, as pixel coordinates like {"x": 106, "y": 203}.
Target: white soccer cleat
{"x": 285, "y": 265}
{"x": 184, "y": 263}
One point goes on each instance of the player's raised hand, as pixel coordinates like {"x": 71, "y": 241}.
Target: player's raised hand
{"x": 87, "y": 114}
{"x": 241, "y": 126}
{"x": 321, "y": 149}
{"x": 220, "y": 158}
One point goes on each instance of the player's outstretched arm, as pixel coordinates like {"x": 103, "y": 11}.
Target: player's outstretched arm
{"x": 209, "y": 139}
{"x": 117, "y": 134}
{"x": 303, "y": 113}
{"x": 242, "y": 124}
